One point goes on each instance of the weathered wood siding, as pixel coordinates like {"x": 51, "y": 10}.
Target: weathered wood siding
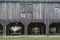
{"x": 52, "y": 11}
{"x": 29, "y": 11}
{"x": 9, "y": 10}
{"x": 33, "y": 0}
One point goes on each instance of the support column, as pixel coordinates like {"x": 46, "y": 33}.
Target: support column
{"x": 47, "y": 26}
{"x": 59, "y": 30}
{"x": 47, "y": 29}
{"x": 25, "y": 29}
{"x": 4, "y": 28}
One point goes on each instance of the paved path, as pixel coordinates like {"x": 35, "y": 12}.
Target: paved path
{"x": 35, "y": 36}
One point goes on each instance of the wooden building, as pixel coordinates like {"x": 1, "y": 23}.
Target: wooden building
{"x": 29, "y": 17}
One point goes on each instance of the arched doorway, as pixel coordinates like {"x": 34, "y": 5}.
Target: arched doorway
{"x": 15, "y": 28}
{"x": 1, "y": 29}
{"x": 54, "y": 29}
{"x": 36, "y": 28}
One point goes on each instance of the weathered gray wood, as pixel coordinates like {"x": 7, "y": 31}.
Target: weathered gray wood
{"x": 36, "y": 11}
{"x": 51, "y": 11}
{"x": 31, "y": 0}
{"x": 13, "y": 11}
{"x": 10, "y": 10}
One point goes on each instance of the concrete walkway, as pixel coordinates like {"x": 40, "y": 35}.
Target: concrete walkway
{"x": 35, "y": 36}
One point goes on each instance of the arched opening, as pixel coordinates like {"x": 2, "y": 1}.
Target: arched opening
{"x": 1, "y": 29}
{"x": 15, "y": 28}
{"x": 54, "y": 29}
{"x": 36, "y": 28}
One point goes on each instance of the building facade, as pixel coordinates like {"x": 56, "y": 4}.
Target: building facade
{"x": 29, "y": 17}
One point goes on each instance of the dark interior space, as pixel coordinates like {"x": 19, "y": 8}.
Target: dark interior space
{"x": 54, "y": 29}
{"x": 15, "y": 28}
{"x": 36, "y": 28}
{"x": 1, "y": 29}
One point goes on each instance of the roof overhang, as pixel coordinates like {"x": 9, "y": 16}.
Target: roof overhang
{"x": 31, "y": 1}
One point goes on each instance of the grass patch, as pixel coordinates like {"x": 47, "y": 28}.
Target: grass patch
{"x": 30, "y": 38}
